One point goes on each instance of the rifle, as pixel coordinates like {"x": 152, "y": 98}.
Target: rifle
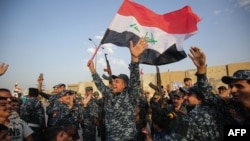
{"x": 158, "y": 87}
{"x": 108, "y": 70}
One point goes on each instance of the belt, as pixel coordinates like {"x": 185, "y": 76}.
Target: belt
{"x": 33, "y": 125}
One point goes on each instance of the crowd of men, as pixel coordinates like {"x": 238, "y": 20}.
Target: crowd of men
{"x": 127, "y": 113}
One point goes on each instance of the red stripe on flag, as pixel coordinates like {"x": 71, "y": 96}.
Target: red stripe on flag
{"x": 181, "y": 21}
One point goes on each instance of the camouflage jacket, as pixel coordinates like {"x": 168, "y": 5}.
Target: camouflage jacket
{"x": 120, "y": 109}
{"x": 62, "y": 115}
{"x": 233, "y": 112}
{"x": 203, "y": 122}
{"x": 32, "y": 111}
{"x": 173, "y": 117}
{"x": 90, "y": 112}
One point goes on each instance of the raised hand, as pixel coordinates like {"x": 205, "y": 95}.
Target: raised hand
{"x": 138, "y": 49}
{"x": 199, "y": 59}
{"x": 3, "y": 68}
{"x": 91, "y": 66}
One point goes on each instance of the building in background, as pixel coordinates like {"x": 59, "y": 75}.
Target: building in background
{"x": 173, "y": 80}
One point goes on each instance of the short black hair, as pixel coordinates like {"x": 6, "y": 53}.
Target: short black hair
{"x": 4, "y": 90}
{"x": 222, "y": 88}
{"x": 187, "y": 79}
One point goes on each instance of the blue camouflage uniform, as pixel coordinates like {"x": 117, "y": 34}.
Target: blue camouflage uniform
{"x": 63, "y": 116}
{"x": 200, "y": 124}
{"x": 142, "y": 121}
{"x": 121, "y": 108}
{"x": 101, "y": 127}
{"x": 32, "y": 112}
{"x": 51, "y": 98}
{"x": 90, "y": 113}
{"x": 224, "y": 107}
{"x": 204, "y": 122}
{"x": 171, "y": 115}
{"x": 78, "y": 109}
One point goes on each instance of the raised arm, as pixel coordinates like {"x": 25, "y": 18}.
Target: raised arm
{"x": 91, "y": 66}
{"x": 134, "y": 81}
{"x": 86, "y": 100}
{"x": 199, "y": 59}
{"x": 39, "y": 87}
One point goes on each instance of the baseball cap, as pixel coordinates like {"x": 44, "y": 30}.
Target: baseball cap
{"x": 61, "y": 84}
{"x": 96, "y": 93}
{"x": 72, "y": 92}
{"x": 191, "y": 90}
{"x": 88, "y": 88}
{"x": 238, "y": 75}
{"x": 64, "y": 92}
{"x": 33, "y": 91}
{"x": 176, "y": 93}
{"x": 122, "y": 76}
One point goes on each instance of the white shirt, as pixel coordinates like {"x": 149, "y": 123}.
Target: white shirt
{"x": 18, "y": 128}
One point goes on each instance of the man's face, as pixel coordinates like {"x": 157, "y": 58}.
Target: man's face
{"x": 220, "y": 91}
{"x": 118, "y": 85}
{"x": 96, "y": 96}
{"x": 66, "y": 98}
{"x": 188, "y": 83}
{"x": 5, "y": 108}
{"x": 5, "y": 104}
{"x": 89, "y": 92}
{"x": 177, "y": 101}
{"x": 60, "y": 89}
{"x": 15, "y": 106}
{"x": 55, "y": 90}
{"x": 147, "y": 95}
{"x": 157, "y": 97}
{"x": 191, "y": 99}
{"x": 240, "y": 90}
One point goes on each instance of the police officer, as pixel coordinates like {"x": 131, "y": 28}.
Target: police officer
{"x": 121, "y": 104}
{"x": 90, "y": 117}
{"x": 101, "y": 104}
{"x": 63, "y": 113}
{"x": 33, "y": 113}
{"x": 172, "y": 113}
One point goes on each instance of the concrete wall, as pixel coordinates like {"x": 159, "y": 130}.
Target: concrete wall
{"x": 174, "y": 79}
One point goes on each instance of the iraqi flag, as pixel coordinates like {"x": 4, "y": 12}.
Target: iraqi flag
{"x": 165, "y": 33}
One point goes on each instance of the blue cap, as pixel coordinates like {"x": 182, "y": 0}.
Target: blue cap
{"x": 64, "y": 92}
{"x": 238, "y": 75}
{"x": 122, "y": 76}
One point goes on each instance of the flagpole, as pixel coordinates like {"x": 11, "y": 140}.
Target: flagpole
{"x": 93, "y": 56}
